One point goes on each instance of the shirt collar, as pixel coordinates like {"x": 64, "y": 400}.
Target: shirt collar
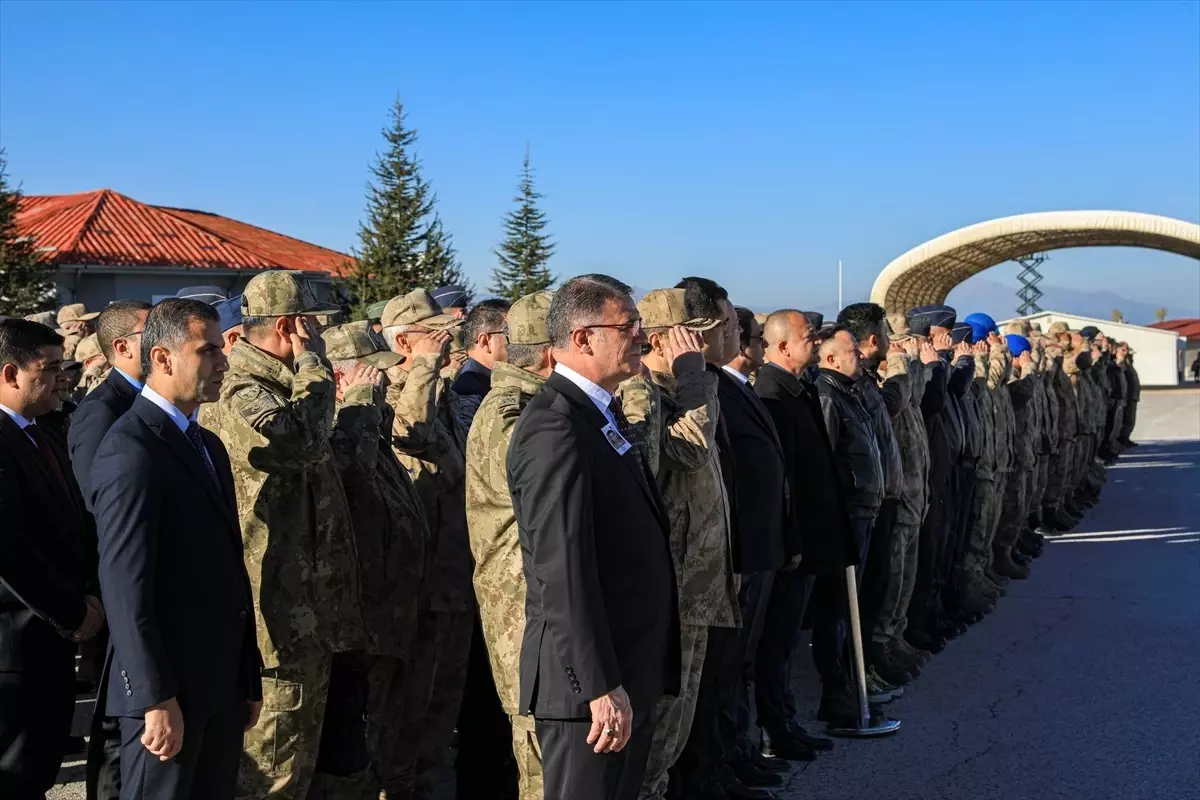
{"x": 134, "y": 382}
{"x": 741, "y": 378}
{"x": 182, "y": 422}
{"x": 22, "y": 421}
{"x": 595, "y": 393}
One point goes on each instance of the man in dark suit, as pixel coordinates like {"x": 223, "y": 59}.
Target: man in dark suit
{"x": 46, "y": 604}
{"x": 601, "y": 640}
{"x": 484, "y": 335}
{"x": 183, "y": 672}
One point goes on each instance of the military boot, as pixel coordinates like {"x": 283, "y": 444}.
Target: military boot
{"x": 905, "y": 653}
{"x": 888, "y": 667}
{"x": 1004, "y": 565}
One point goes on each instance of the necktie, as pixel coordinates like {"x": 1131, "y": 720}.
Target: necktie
{"x": 618, "y": 415}
{"x": 193, "y": 435}
{"x": 47, "y": 454}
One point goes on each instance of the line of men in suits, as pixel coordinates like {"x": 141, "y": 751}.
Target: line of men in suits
{"x": 303, "y": 554}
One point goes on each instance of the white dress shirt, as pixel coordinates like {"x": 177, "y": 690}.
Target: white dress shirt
{"x": 178, "y": 417}
{"x": 595, "y": 393}
{"x": 21, "y": 421}
{"x": 742, "y": 378}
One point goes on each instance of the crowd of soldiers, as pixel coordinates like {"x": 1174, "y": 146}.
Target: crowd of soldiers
{"x": 379, "y": 535}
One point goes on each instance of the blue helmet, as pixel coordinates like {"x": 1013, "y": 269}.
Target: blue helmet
{"x": 1017, "y": 344}
{"x": 981, "y": 325}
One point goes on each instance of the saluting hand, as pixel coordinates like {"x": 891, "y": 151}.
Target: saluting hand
{"x": 942, "y": 341}
{"x": 365, "y": 375}
{"x": 928, "y": 353}
{"x": 980, "y": 348}
{"x": 164, "y": 730}
{"x": 305, "y": 338}
{"x": 684, "y": 341}
{"x": 436, "y": 343}
{"x": 962, "y": 349}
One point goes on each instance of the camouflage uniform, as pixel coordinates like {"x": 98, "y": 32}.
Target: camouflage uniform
{"x": 428, "y": 442}
{"x": 984, "y": 505}
{"x": 73, "y": 312}
{"x": 1042, "y": 441}
{"x": 276, "y": 422}
{"x": 908, "y": 426}
{"x": 492, "y": 524}
{"x": 999, "y": 372}
{"x": 391, "y": 534}
{"x": 1020, "y": 481}
{"x": 1058, "y": 482}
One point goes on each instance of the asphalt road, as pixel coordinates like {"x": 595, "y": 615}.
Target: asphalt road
{"x": 1084, "y": 684}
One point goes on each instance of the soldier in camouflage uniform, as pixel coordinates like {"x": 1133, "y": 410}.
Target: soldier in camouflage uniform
{"x": 1015, "y": 511}
{"x": 95, "y": 365}
{"x": 74, "y": 325}
{"x": 495, "y": 543}
{"x": 1055, "y": 513}
{"x": 999, "y": 374}
{"x": 428, "y": 442}
{"x": 389, "y": 529}
{"x": 673, "y": 409}
{"x": 275, "y": 416}
{"x": 973, "y": 585}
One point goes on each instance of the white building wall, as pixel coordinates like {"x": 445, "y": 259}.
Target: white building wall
{"x": 1156, "y": 351}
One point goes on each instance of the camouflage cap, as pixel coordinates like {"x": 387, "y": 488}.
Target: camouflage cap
{"x": 417, "y": 308}
{"x": 1018, "y": 326}
{"x": 1058, "y": 327}
{"x": 458, "y": 342}
{"x": 664, "y": 308}
{"x": 88, "y": 348}
{"x": 281, "y": 293}
{"x": 527, "y": 319}
{"x": 75, "y": 312}
{"x": 375, "y": 310}
{"x": 43, "y": 318}
{"x": 898, "y": 325}
{"x": 358, "y": 340}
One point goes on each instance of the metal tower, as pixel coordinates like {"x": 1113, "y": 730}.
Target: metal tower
{"x": 1029, "y": 277}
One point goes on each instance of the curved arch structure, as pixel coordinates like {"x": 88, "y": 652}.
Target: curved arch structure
{"x": 928, "y": 272}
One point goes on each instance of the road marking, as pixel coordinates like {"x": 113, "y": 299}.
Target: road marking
{"x": 1123, "y": 538}
{"x": 1178, "y": 531}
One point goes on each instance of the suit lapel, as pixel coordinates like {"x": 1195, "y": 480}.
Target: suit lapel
{"x": 20, "y": 443}
{"x": 632, "y": 460}
{"x": 757, "y": 410}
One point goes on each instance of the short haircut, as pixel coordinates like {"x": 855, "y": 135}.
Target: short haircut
{"x": 827, "y": 333}
{"x": 116, "y": 321}
{"x": 579, "y": 302}
{"x": 745, "y": 324}
{"x": 702, "y": 297}
{"x": 526, "y": 356}
{"x": 168, "y": 323}
{"x": 862, "y": 319}
{"x": 252, "y": 325}
{"x": 486, "y": 317}
{"x": 21, "y": 339}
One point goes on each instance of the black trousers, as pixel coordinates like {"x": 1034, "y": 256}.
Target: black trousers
{"x": 829, "y": 618}
{"x": 484, "y": 767}
{"x": 925, "y": 607}
{"x": 876, "y": 572}
{"x": 35, "y": 722}
{"x": 103, "y": 779}
{"x": 572, "y": 770}
{"x": 736, "y": 714}
{"x": 1128, "y": 421}
{"x": 774, "y": 700}
{"x": 705, "y": 752}
{"x": 206, "y": 767}
{"x": 343, "y": 750}
{"x": 957, "y": 535}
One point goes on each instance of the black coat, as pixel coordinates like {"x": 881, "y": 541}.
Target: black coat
{"x": 175, "y": 587}
{"x": 767, "y": 540}
{"x": 45, "y": 568}
{"x": 818, "y": 517}
{"x": 601, "y": 605}
{"x": 97, "y": 412}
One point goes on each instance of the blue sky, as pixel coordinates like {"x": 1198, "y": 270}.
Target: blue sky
{"x": 756, "y": 143}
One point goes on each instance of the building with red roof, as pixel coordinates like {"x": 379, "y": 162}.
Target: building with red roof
{"x": 107, "y": 246}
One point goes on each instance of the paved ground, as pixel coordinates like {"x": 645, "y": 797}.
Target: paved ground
{"x": 1084, "y": 682}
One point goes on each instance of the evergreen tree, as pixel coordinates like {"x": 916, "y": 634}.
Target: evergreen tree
{"x": 26, "y": 281}
{"x": 526, "y": 249}
{"x": 439, "y": 263}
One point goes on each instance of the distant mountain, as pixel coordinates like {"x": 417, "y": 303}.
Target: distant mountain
{"x": 1000, "y": 301}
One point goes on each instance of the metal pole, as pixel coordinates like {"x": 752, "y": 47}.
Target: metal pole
{"x": 840, "y": 306}
{"x": 865, "y": 727}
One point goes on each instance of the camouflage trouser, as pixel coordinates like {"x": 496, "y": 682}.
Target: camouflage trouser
{"x": 1014, "y": 510}
{"x": 529, "y": 757}
{"x": 673, "y": 715}
{"x": 985, "y": 514}
{"x": 280, "y": 752}
{"x": 430, "y": 689}
{"x": 1057, "y": 481}
{"x": 902, "y": 566}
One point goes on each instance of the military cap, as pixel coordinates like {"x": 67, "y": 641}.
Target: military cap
{"x": 42, "y": 318}
{"x": 1058, "y": 327}
{"x": 664, "y": 308}
{"x": 1090, "y": 332}
{"x": 458, "y": 342}
{"x": 922, "y": 318}
{"x": 375, "y": 310}
{"x": 898, "y": 325}
{"x": 358, "y": 340}
{"x": 282, "y": 293}
{"x": 527, "y": 318}
{"x": 230, "y": 312}
{"x": 962, "y": 332}
{"x": 205, "y": 294}
{"x": 417, "y": 308}
{"x": 1020, "y": 326}
{"x": 1017, "y": 344}
{"x": 88, "y": 348}
{"x": 74, "y": 312}
{"x": 450, "y": 296}
{"x": 816, "y": 320}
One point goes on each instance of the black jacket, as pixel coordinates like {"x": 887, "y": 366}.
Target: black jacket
{"x": 766, "y": 539}
{"x": 97, "y": 412}
{"x": 44, "y": 563}
{"x": 852, "y": 437}
{"x": 601, "y": 606}
{"x": 818, "y": 517}
{"x": 176, "y": 592}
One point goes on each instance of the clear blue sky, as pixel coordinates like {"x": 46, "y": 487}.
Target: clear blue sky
{"x": 756, "y": 143}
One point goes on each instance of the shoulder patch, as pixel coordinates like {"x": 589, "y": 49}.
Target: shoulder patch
{"x": 254, "y": 403}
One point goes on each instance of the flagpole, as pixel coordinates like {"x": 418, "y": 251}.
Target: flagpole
{"x": 840, "y": 306}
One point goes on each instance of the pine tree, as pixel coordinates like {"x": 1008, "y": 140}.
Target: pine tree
{"x": 439, "y": 263}
{"x": 26, "y": 281}
{"x": 526, "y": 249}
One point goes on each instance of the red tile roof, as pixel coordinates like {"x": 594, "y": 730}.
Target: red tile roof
{"x": 1187, "y": 328}
{"x": 109, "y": 229}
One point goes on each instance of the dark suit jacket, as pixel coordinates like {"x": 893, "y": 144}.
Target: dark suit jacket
{"x": 44, "y": 571}
{"x": 601, "y": 604}
{"x": 819, "y": 515}
{"x": 472, "y": 382}
{"x": 175, "y": 588}
{"x": 97, "y": 412}
{"x": 767, "y": 541}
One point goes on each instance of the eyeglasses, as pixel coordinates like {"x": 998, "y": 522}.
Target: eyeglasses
{"x": 129, "y": 335}
{"x": 634, "y": 327}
